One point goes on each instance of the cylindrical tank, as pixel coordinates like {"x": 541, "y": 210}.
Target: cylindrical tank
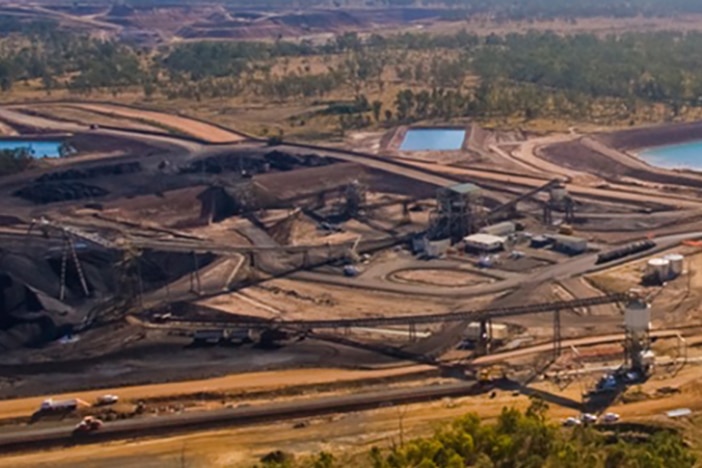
{"x": 637, "y": 316}
{"x": 676, "y": 264}
{"x": 658, "y": 268}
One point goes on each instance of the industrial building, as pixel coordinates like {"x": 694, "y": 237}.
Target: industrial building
{"x": 457, "y": 211}
{"x": 484, "y": 243}
{"x": 570, "y": 245}
{"x": 538, "y": 242}
{"x": 503, "y": 229}
{"x": 423, "y": 247}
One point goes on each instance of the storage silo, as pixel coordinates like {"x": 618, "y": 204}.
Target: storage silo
{"x": 637, "y": 317}
{"x": 676, "y": 264}
{"x": 658, "y": 269}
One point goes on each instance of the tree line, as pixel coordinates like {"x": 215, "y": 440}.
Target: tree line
{"x": 498, "y": 9}
{"x": 515, "y": 440}
{"x": 533, "y": 74}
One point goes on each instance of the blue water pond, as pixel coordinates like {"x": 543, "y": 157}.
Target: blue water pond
{"x": 38, "y": 149}
{"x": 433, "y": 139}
{"x": 682, "y": 156}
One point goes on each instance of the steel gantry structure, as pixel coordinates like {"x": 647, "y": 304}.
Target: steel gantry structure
{"x": 483, "y": 316}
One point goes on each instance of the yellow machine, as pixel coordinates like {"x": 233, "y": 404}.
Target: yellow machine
{"x": 491, "y": 373}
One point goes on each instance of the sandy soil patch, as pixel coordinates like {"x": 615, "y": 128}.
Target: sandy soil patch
{"x": 192, "y": 127}
{"x": 167, "y": 210}
{"x": 6, "y": 130}
{"x": 303, "y": 300}
{"x": 439, "y": 277}
{"x": 75, "y": 114}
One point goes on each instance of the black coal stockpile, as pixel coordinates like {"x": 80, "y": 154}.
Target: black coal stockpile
{"x": 286, "y": 162}
{"x": 89, "y": 173}
{"x": 219, "y": 164}
{"x": 59, "y": 191}
{"x": 19, "y": 324}
{"x": 275, "y": 160}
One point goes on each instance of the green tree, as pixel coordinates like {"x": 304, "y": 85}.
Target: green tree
{"x": 13, "y": 161}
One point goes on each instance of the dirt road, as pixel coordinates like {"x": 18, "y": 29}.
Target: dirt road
{"x": 13, "y": 115}
{"x": 349, "y": 433}
{"x": 196, "y": 128}
{"x": 238, "y": 383}
{"x": 574, "y": 189}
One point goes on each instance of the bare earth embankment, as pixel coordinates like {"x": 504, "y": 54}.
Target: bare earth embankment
{"x": 204, "y": 131}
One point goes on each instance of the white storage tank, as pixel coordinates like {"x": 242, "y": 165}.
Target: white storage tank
{"x": 676, "y": 264}
{"x": 637, "y": 316}
{"x": 658, "y": 268}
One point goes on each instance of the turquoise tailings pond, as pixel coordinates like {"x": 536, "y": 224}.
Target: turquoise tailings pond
{"x": 681, "y": 156}
{"x": 433, "y": 139}
{"x": 37, "y": 149}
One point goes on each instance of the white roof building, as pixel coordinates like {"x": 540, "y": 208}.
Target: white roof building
{"x": 484, "y": 242}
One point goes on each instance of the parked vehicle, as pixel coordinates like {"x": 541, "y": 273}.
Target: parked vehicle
{"x": 588, "y": 418}
{"x": 107, "y": 400}
{"x": 572, "y": 421}
{"x": 51, "y": 405}
{"x": 88, "y": 424}
{"x": 610, "y": 418}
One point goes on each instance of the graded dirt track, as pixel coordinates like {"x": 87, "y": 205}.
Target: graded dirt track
{"x": 196, "y": 128}
{"x": 236, "y": 383}
{"x": 606, "y": 194}
{"x": 50, "y": 436}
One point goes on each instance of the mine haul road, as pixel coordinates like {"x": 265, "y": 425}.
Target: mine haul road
{"x": 32, "y": 439}
{"x": 14, "y": 116}
{"x": 27, "y": 439}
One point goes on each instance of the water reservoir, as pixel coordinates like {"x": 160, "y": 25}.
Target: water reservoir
{"x": 682, "y": 156}
{"x": 38, "y": 149}
{"x": 433, "y": 139}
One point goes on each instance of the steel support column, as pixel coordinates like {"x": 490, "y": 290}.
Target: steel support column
{"x": 557, "y": 341}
